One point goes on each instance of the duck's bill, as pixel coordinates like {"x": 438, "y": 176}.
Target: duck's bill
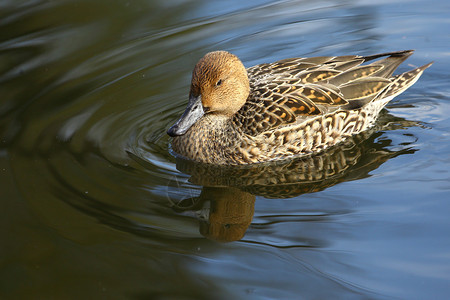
{"x": 192, "y": 114}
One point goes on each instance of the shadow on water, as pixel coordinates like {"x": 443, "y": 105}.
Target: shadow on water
{"x": 225, "y": 205}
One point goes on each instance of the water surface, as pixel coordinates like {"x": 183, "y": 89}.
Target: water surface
{"x": 95, "y": 206}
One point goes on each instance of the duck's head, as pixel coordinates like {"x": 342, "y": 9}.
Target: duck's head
{"x": 219, "y": 87}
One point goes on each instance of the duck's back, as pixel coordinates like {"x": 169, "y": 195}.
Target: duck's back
{"x": 293, "y": 91}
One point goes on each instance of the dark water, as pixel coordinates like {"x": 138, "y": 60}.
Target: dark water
{"x": 94, "y": 206}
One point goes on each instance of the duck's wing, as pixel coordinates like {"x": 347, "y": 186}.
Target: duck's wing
{"x": 293, "y": 90}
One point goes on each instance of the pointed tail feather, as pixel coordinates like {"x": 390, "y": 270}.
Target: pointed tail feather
{"x": 403, "y": 81}
{"x": 391, "y": 63}
{"x": 405, "y": 53}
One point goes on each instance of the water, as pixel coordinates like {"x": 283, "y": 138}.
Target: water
{"x": 95, "y": 206}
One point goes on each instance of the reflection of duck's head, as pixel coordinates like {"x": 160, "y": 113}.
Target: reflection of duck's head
{"x": 219, "y": 87}
{"x": 230, "y": 213}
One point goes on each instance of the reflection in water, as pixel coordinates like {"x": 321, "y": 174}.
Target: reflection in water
{"x": 225, "y": 205}
{"x": 224, "y": 212}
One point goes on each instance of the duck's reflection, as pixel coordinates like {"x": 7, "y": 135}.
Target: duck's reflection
{"x": 225, "y": 206}
{"x": 224, "y": 212}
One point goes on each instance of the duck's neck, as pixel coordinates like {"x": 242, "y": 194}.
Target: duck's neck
{"x": 209, "y": 140}
{"x": 216, "y": 128}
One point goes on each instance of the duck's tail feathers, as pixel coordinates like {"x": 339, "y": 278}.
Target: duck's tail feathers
{"x": 388, "y": 64}
{"x": 403, "y": 81}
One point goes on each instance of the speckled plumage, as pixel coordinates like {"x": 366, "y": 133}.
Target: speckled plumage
{"x": 294, "y": 106}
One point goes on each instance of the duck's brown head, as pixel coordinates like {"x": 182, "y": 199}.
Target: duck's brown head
{"x": 219, "y": 86}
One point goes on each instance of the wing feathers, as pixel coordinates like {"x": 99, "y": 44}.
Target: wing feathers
{"x": 296, "y": 89}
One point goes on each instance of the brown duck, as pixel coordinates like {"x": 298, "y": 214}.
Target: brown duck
{"x": 285, "y": 109}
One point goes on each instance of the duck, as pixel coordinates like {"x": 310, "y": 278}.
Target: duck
{"x": 285, "y": 109}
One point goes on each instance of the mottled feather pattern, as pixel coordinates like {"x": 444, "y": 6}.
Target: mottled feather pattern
{"x": 300, "y": 106}
{"x": 307, "y": 87}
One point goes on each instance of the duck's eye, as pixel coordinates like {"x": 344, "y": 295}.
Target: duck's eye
{"x": 219, "y": 82}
